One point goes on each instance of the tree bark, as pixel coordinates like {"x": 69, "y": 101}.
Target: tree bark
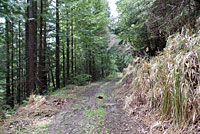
{"x": 19, "y": 66}
{"x": 63, "y": 52}
{"x": 72, "y": 45}
{"x": 12, "y": 64}
{"x": 8, "y": 98}
{"x": 27, "y": 50}
{"x": 68, "y": 65}
{"x": 51, "y": 71}
{"x": 40, "y": 66}
{"x": 57, "y": 46}
{"x": 31, "y": 47}
{"x": 42, "y": 51}
{"x": 45, "y": 49}
{"x": 75, "y": 56}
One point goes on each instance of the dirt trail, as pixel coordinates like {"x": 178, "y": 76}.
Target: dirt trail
{"x": 96, "y": 112}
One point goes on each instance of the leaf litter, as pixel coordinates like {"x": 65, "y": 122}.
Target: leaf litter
{"x": 37, "y": 114}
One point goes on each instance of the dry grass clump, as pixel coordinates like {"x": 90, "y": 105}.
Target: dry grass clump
{"x": 169, "y": 82}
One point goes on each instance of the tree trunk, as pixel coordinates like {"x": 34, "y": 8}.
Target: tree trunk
{"x": 64, "y": 79}
{"x": 35, "y": 41}
{"x": 87, "y": 60}
{"x": 31, "y": 47}
{"x": 8, "y": 99}
{"x": 75, "y": 56}
{"x": 44, "y": 50}
{"x": 27, "y": 50}
{"x": 12, "y": 65}
{"x": 40, "y": 66}
{"x": 57, "y": 46}
{"x": 68, "y": 65}
{"x": 52, "y": 77}
{"x": 19, "y": 67}
{"x": 72, "y": 45}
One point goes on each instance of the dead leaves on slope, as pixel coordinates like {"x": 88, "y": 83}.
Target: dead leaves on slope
{"x": 39, "y": 109}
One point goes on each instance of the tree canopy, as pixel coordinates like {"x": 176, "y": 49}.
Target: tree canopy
{"x": 145, "y": 24}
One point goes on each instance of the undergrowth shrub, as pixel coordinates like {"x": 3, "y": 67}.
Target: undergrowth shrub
{"x": 82, "y": 79}
{"x": 169, "y": 82}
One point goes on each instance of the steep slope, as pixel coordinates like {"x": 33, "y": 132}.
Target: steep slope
{"x": 164, "y": 92}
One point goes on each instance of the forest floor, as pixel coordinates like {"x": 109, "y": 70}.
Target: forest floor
{"x": 90, "y": 109}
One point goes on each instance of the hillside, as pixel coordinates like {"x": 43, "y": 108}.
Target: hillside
{"x": 164, "y": 92}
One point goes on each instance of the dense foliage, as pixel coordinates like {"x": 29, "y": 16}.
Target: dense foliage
{"x": 145, "y": 24}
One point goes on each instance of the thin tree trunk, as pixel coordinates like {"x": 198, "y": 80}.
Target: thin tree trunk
{"x": 57, "y": 46}
{"x": 45, "y": 49}
{"x": 24, "y": 56}
{"x": 35, "y": 41}
{"x": 8, "y": 99}
{"x": 48, "y": 79}
{"x": 64, "y": 79}
{"x": 12, "y": 65}
{"x": 41, "y": 68}
{"x": 68, "y": 65}
{"x": 72, "y": 45}
{"x": 27, "y": 51}
{"x": 75, "y": 55}
{"x": 52, "y": 77}
{"x": 51, "y": 72}
{"x": 87, "y": 60}
{"x": 19, "y": 67}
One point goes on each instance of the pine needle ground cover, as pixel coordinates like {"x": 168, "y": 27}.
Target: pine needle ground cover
{"x": 167, "y": 87}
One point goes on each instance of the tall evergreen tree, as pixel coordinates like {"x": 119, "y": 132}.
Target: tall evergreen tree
{"x": 67, "y": 49}
{"x": 31, "y": 47}
{"x": 57, "y": 46}
{"x": 7, "y": 36}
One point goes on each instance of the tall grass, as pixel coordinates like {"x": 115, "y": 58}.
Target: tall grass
{"x": 169, "y": 82}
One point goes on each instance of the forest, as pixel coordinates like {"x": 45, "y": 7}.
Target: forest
{"x": 61, "y": 55}
{"x": 46, "y": 45}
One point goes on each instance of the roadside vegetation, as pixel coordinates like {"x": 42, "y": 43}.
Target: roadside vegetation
{"x": 162, "y": 85}
{"x": 167, "y": 83}
{"x": 163, "y": 81}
